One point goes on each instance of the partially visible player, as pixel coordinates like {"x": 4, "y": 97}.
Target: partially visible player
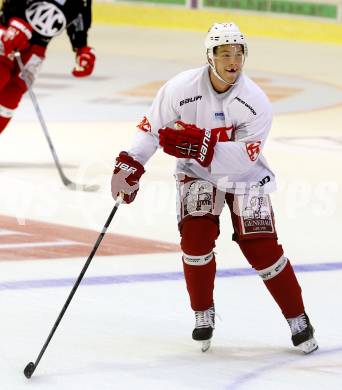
{"x": 222, "y": 121}
{"x": 27, "y": 26}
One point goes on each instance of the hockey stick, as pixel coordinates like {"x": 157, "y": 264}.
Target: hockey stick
{"x": 31, "y": 367}
{"x": 68, "y": 183}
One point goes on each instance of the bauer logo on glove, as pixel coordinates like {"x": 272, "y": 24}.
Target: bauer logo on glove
{"x": 125, "y": 167}
{"x": 126, "y": 176}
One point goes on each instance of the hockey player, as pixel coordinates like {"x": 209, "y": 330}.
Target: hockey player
{"x": 27, "y": 26}
{"x": 215, "y": 121}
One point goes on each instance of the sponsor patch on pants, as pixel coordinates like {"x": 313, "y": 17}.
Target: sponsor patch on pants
{"x": 198, "y": 198}
{"x": 255, "y": 212}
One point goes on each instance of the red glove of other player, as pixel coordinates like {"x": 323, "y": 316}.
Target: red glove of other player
{"x": 126, "y": 176}
{"x": 85, "y": 62}
{"x": 188, "y": 142}
{"x": 16, "y": 37}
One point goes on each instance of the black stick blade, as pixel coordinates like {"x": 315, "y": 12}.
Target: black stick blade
{"x": 29, "y": 370}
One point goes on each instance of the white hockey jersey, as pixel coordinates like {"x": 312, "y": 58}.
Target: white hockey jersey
{"x": 241, "y": 117}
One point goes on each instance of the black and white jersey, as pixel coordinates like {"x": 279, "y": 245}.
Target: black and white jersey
{"x": 49, "y": 18}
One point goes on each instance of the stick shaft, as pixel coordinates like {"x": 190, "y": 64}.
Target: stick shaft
{"x": 42, "y": 122}
{"x": 78, "y": 281}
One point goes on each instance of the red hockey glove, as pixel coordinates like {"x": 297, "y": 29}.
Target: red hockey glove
{"x": 16, "y": 36}
{"x": 126, "y": 176}
{"x": 188, "y": 142}
{"x": 85, "y": 62}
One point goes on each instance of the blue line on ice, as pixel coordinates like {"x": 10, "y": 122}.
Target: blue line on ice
{"x": 250, "y": 376}
{"x": 152, "y": 277}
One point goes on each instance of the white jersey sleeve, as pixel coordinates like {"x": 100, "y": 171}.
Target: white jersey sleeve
{"x": 143, "y": 147}
{"x": 163, "y": 111}
{"x": 161, "y": 114}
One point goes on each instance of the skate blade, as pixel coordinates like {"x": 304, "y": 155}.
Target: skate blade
{"x": 308, "y": 346}
{"x": 205, "y": 345}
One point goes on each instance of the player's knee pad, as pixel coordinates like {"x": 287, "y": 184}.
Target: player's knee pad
{"x": 198, "y": 260}
{"x": 198, "y": 239}
{"x": 6, "y": 112}
{"x": 273, "y": 270}
{"x": 5, "y": 116}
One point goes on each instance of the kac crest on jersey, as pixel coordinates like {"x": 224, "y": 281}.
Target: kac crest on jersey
{"x": 253, "y": 150}
{"x": 46, "y": 19}
{"x": 145, "y": 125}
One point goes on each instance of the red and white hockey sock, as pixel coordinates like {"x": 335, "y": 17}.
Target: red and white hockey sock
{"x": 282, "y": 283}
{"x": 200, "y": 280}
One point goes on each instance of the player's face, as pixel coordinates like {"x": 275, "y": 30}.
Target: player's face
{"x": 229, "y": 61}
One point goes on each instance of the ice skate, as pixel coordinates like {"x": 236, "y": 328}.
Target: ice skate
{"x": 303, "y": 333}
{"x": 204, "y": 327}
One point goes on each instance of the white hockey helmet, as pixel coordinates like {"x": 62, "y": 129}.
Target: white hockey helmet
{"x": 224, "y": 34}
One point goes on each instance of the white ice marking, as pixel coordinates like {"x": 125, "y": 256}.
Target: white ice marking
{"x": 40, "y": 244}
{"x": 4, "y": 232}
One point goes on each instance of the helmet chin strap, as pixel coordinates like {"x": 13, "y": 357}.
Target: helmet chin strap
{"x": 213, "y": 68}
